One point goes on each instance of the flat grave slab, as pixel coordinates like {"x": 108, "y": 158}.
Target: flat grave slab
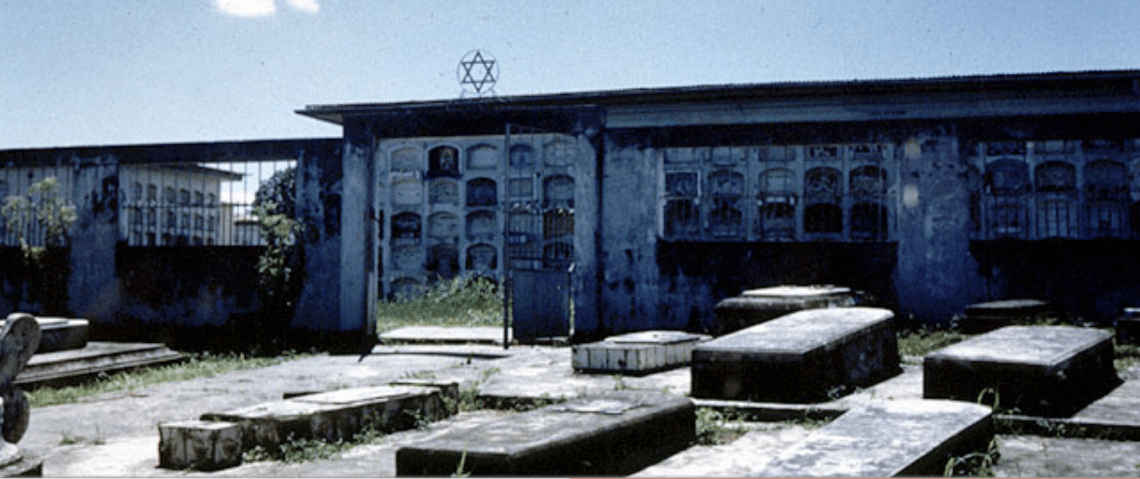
{"x": 614, "y": 434}
{"x": 893, "y": 438}
{"x": 446, "y": 335}
{"x": 636, "y": 353}
{"x": 335, "y": 415}
{"x": 1037, "y": 370}
{"x": 805, "y": 357}
{"x": 988, "y": 316}
{"x": 759, "y": 305}
{"x": 94, "y": 358}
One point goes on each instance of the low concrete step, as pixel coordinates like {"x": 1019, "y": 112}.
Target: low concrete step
{"x": 614, "y": 434}
{"x": 1037, "y": 370}
{"x": 810, "y": 356}
{"x": 58, "y": 334}
{"x": 894, "y": 438}
{"x": 96, "y": 357}
{"x": 639, "y": 353}
{"x": 335, "y": 415}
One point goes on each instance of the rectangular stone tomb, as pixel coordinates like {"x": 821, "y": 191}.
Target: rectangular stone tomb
{"x": 1038, "y": 370}
{"x": 759, "y": 305}
{"x": 636, "y": 353}
{"x": 805, "y": 357}
{"x": 199, "y": 445}
{"x": 984, "y": 317}
{"x": 60, "y": 334}
{"x": 614, "y": 434}
{"x": 1128, "y": 327}
{"x": 335, "y": 415}
{"x": 888, "y": 439}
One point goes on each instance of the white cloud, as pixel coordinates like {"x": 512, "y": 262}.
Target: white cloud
{"x": 246, "y": 8}
{"x": 307, "y": 6}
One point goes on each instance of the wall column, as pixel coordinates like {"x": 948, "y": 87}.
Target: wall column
{"x": 936, "y": 276}
{"x": 93, "y": 291}
{"x": 357, "y": 234}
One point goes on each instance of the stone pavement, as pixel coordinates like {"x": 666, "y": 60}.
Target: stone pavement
{"x": 116, "y": 434}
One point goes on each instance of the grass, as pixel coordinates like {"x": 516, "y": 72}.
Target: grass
{"x": 921, "y": 341}
{"x": 463, "y": 301}
{"x": 198, "y": 365}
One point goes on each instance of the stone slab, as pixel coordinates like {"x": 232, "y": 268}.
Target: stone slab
{"x": 759, "y": 305}
{"x": 446, "y": 335}
{"x": 615, "y": 434}
{"x": 96, "y": 357}
{"x": 803, "y": 357}
{"x": 199, "y": 445}
{"x": 1128, "y": 326}
{"x": 1035, "y": 370}
{"x": 988, "y": 316}
{"x": 792, "y": 291}
{"x": 639, "y": 353}
{"x": 29, "y": 465}
{"x": 58, "y": 334}
{"x": 894, "y": 438}
{"x": 335, "y": 415}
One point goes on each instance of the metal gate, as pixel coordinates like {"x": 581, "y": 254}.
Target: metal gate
{"x": 539, "y": 236}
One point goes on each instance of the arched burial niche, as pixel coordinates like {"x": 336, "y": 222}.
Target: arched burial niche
{"x": 443, "y": 261}
{"x": 443, "y": 227}
{"x": 822, "y": 192}
{"x": 406, "y": 226}
{"x": 1055, "y": 187}
{"x": 443, "y": 161}
{"x": 1106, "y": 199}
{"x": 481, "y": 226}
{"x": 482, "y": 259}
{"x": 1007, "y": 185}
{"x": 482, "y": 192}
{"x": 522, "y": 156}
{"x": 404, "y": 289}
{"x": 482, "y": 157}
{"x": 558, "y": 192}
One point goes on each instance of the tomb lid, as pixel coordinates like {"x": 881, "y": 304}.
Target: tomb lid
{"x": 797, "y": 291}
{"x": 601, "y": 405}
{"x": 1009, "y": 304}
{"x": 1132, "y": 313}
{"x": 799, "y": 332}
{"x": 1032, "y": 345}
{"x": 357, "y": 395}
{"x": 656, "y": 337}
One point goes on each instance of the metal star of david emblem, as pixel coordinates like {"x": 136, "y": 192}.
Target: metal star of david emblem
{"x": 479, "y": 70}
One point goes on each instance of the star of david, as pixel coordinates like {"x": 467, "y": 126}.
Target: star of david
{"x": 478, "y": 71}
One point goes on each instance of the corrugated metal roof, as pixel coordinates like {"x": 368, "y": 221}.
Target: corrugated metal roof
{"x": 1057, "y": 79}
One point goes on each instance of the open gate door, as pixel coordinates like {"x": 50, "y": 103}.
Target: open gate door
{"x": 539, "y": 207}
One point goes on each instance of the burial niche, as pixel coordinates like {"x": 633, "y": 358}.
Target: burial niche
{"x": 481, "y": 192}
{"x": 443, "y": 161}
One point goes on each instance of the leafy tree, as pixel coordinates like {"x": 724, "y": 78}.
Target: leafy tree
{"x": 280, "y": 266}
{"x": 47, "y": 267}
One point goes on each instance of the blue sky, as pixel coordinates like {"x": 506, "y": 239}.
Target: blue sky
{"x": 81, "y": 72}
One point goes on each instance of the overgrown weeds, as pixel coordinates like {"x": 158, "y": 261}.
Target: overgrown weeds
{"x": 198, "y": 365}
{"x": 716, "y": 428}
{"x": 921, "y": 341}
{"x": 463, "y": 301}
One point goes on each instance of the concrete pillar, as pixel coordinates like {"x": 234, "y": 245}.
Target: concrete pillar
{"x": 357, "y": 235}
{"x": 935, "y": 275}
{"x": 93, "y": 291}
{"x": 628, "y": 240}
{"x": 319, "y": 192}
{"x": 586, "y": 227}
